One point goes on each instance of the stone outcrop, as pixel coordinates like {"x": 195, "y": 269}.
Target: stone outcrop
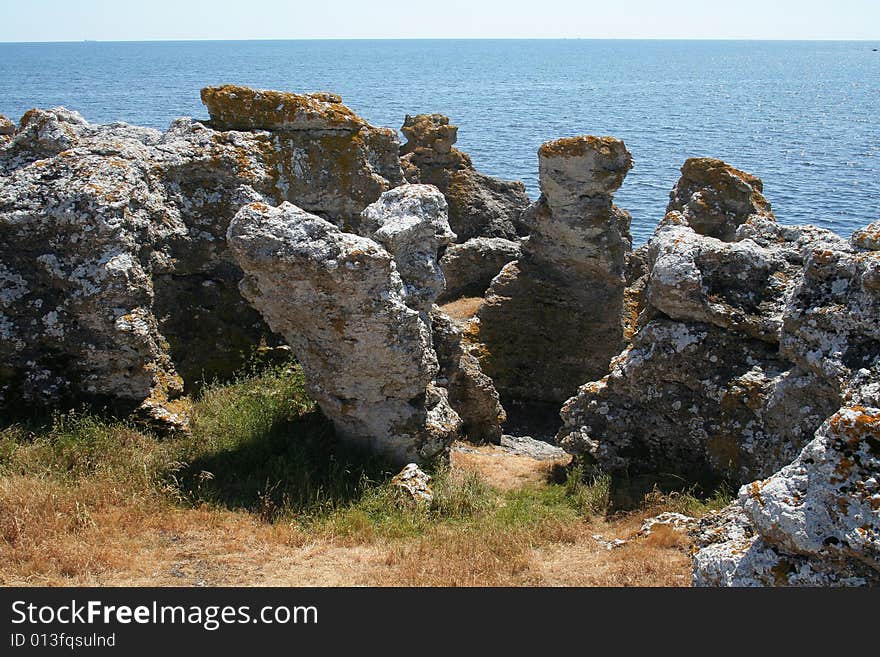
{"x": 325, "y": 159}
{"x": 412, "y": 223}
{"x": 470, "y": 267}
{"x": 354, "y": 317}
{"x": 723, "y": 379}
{"x": 471, "y": 393}
{"x": 816, "y": 522}
{"x": 553, "y": 318}
{"x": 7, "y": 129}
{"x": 118, "y": 288}
{"x": 78, "y": 220}
{"x": 715, "y": 199}
{"x": 479, "y": 205}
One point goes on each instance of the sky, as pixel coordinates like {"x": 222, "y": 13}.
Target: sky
{"x": 115, "y": 20}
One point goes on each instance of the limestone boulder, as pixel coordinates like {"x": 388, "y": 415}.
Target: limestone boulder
{"x": 470, "y": 267}
{"x": 78, "y": 221}
{"x": 553, "y": 318}
{"x": 814, "y": 523}
{"x": 325, "y": 158}
{"x": 868, "y": 238}
{"x": 341, "y": 303}
{"x": 412, "y": 223}
{"x": 741, "y": 285}
{"x": 479, "y": 205}
{"x": 714, "y": 198}
{"x": 7, "y": 129}
{"x": 471, "y": 393}
{"x": 724, "y": 376}
{"x": 830, "y": 323}
{"x": 687, "y": 400}
{"x": 120, "y": 281}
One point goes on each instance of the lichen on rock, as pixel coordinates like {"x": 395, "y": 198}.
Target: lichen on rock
{"x": 479, "y": 205}
{"x": 469, "y": 267}
{"x": 714, "y": 199}
{"x": 569, "y": 282}
{"x": 342, "y": 305}
{"x": 723, "y": 378}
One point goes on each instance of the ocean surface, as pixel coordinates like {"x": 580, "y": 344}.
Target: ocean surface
{"x": 803, "y": 116}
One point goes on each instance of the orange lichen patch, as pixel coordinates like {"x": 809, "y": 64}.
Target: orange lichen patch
{"x": 707, "y": 170}
{"x": 241, "y": 108}
{"x": 754, "y": 489}
{"x": 28, "y": 117}
{"x": 725, "y": 183}
{"x": 868, "y": 238}
{"x": 855, "y": 423}
{"x": 579, "y": 146}
{"x": 633, "y": 301}
{"x": 430, "y": 131}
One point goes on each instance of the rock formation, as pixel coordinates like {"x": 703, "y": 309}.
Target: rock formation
{"x": 7, "y": 129}
{"x": 354, "y": 316}
{"x": 707, "y": 389}
{"x": 479, "y": 205}
{"x": 470, "y": 267}
{"x": 79, "y": 218}
{"x": 552, "y": 319}
{"x": 816, "y": 522}
{"x": 412, "y": 223}
{"x": 714, "y": 199}
{"x": 471, "y": 393}
{"x": 326, "y": 159}
{"x": 116, "y": 277}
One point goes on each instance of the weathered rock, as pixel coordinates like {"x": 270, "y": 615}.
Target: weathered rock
{"x": 831, "y": 323}
{"x": 730, "y": 553}
{"x": 741, "y": 286}
{"x": 78, "y": 220}
{"x": 554, "y": 317}
{"x": 7, "y": 129}
{"x": 240, "y": 108}
{"x": 704, "y": 390}
{"x": 827, "y": 502}
{"x": 686, "y": 399}
{"x": 479, "y": 205}
{"x": 412, "y": 223}
{"x": 868, "y": 238}
{"x": 814, "y": 523}
{"x": 635, "y": 295}
{"x": 144, "y": 214}
{"x": 470, "y": 267}
{"x": 714, "y": 199}
{"x": 326, "y": 159}
{"x": 471, "y": 393}
{"x": 416, "y": 482}
{"x": 341, "y": 304}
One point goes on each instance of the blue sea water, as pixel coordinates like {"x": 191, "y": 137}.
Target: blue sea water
{"x": 803, "y": 116}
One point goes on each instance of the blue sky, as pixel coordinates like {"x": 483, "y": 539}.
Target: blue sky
{"x": 75, "y": 20}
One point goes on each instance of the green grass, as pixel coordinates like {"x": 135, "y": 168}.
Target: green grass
{"x": 259, "y": 444}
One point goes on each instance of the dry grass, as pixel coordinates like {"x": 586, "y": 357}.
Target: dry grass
{"x": 462, "y": 309}
{"x": 259, "y": 495}
{"x": 503, "y": 470}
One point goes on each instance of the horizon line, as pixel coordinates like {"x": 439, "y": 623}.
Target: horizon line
{"x": 450, "y": 38}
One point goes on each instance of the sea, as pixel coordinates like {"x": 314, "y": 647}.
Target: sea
{"x": 803, "y": 116}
